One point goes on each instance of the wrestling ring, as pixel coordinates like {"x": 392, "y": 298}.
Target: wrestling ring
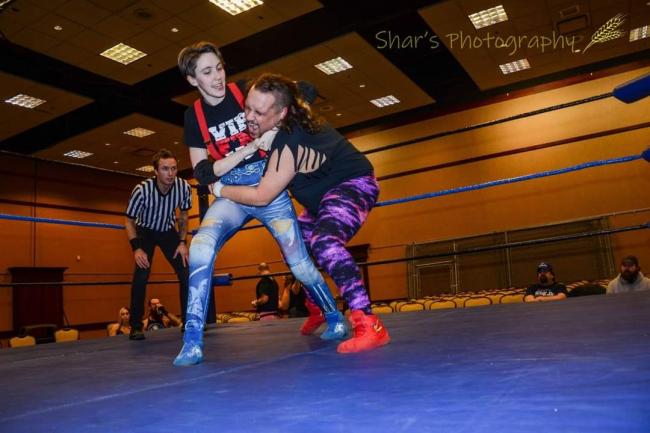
{"x": 575, "y": 366}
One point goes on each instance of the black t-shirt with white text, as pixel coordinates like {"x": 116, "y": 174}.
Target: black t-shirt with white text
{"x": 540, "y": 290}
{"x": 226, "y": 121}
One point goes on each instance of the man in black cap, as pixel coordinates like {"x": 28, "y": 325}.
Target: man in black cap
{"x": 546, "y": 288}
{"x": 630, "y": 279}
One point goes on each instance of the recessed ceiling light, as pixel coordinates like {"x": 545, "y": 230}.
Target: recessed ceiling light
{"x": 488, "y": 17}
{"x": 362, "y": 85}
{"x": 25, "y": 101}
{"x": 234, "y": 7}
{"x": 79, "y": 154}
{"x": 145, "y": 168}
{"x": 58, "y": 28}
{"x": 107, "y": 144}
{"x": 639, "y": 33}
{"x": 385, "y": 101}
{"x": 516, "y": 66}
{"x": 174, "y": 30}
{"x": 116, "y": 162}
{"x": 123, "y": 54}
{"x": 333, "y": 66}
{"x": 139, "y": 132}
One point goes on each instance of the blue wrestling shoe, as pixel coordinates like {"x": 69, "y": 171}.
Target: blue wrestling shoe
{"x": 192, "y": 351}
{"x": 337, "y": 327}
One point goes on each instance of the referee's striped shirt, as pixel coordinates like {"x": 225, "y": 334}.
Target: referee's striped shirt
{"x": 154, "y": 210}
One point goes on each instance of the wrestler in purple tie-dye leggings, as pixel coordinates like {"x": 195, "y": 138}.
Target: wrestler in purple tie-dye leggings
{"x": 341, "y": 213}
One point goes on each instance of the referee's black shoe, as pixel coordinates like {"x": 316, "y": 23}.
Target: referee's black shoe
{"x": 136, "y": 334}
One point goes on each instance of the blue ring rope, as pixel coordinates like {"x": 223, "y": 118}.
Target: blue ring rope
{"x": 389, "y": 202}
{"x": 57, "y": 221}
{"x": 511, "y": 180}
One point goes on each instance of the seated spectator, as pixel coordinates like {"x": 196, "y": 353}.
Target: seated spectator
{"x": 630, "y": 279}
{"x": 266, "y": 291}
{"x": 122, "y": 326}
{"x": 159, "y": 317}
{"x": 546, "y": 289}
{"x": 292, "y": 299}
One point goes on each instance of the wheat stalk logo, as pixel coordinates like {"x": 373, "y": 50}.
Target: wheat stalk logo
{"x": 607, "y": 31}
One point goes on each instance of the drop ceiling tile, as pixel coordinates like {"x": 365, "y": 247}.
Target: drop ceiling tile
{"x": 185, "y": 29}
{"x": 175, "y": 6}
{"x": 116, "y": 28}
{"x": 69, "y": 29}
{"x": 529, "y": 22}
{"x": 222, "y": 35}
{"x": 83, "y": 12}
{"x": 148, "y": 42}
{"x": 145, "y": 14}
{"x": 113, "y": 6}
{"x": 206, "y": 16}
{"x": 34, "y": 40}
{"x": 103, "y": 66}
{"x": 291, "y": 8}
{"x": 70, "y": 54}
{"x": 10, "y": 27}
{"x": 50, "y": 5}
{"x": 261, "y": 17}
{"x": 24, "y": 13}
{"x": 93, "y": 42}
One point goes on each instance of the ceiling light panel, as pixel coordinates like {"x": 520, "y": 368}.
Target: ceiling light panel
{"x": 333, "y": 66}
{"x": 78, "y": 154}
{"x": 516, "y": 66}
{"x": 488, "y": 17}
{"x": 385, "y": 101}
{"x": 139, "y": 132}
{"x": 639, "y": 33}
{"x": 25, "y": 101}
{"x": 235, "y": 7}
{"x": 123, "y": 54}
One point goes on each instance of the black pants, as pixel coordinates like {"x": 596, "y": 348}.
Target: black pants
{"x": 168, "y": 242}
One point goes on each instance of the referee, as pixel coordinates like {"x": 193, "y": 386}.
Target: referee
{"x": 151, "y": 221}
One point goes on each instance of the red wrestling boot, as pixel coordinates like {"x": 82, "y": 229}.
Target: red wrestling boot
{"x": 369, "y": 333}
{"x": 314, "y": 320}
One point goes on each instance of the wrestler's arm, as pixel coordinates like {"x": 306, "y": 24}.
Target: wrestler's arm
{"x": 224, "y": 165}
{"x": 557, "y": 297}
{"x": 272, "y": 184}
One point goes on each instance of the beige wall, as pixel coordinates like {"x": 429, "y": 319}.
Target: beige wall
{"x": 582, "y": 194}
{"x": 105, "y": 254}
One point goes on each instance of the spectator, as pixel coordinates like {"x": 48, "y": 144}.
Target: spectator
{"x": 159, "y": 317}
{"x": 546, "y": 289}
{"x": 630, "y": 279}
{"x": 267, "y": 294}
{"x": 292, "y": 299}
{"x": 123, "y": 325}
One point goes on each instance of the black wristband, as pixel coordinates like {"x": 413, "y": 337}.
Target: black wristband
{"x": 204, "y": 172}
{"x": 135, "y": 244}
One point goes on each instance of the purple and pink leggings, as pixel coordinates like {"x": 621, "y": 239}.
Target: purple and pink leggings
{"x": 341, "y": 213}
